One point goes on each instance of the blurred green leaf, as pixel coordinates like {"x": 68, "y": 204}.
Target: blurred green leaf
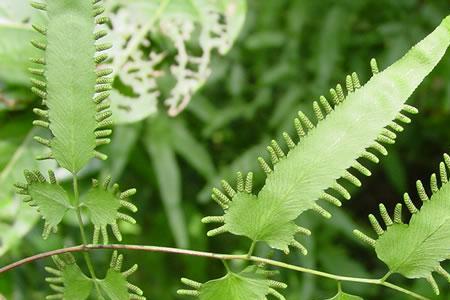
{"x": 131, "y": 110}
{"x": 124, "y": 139}
{"x": 162, "y": 155}
{"x": 330, "y": 41}
{"x": 17, "y": 10}
{"x": 191, "y": 150}
{"x": 15, "y": 51}
{"x": 244, "y": 163}
{"x": 395, "y": 171}
{"x": 265, "y": 39}
{"x": 17, "y": 217}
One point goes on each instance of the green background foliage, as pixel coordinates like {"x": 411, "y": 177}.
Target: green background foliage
{"x": 288, "y": 54}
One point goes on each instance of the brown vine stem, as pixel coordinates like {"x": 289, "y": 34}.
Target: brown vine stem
{"x": 223, "y": 257}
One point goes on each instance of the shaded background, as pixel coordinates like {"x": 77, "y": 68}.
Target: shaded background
{"x": 288, "y": 54}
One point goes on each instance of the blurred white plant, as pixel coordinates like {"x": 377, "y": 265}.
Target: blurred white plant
{"x": 134, "y": 24}
{"x": 190, "y": 71}
{"x": 138, "y": 70}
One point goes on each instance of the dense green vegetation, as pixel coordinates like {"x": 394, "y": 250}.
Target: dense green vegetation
{"x": 287, "y": 54}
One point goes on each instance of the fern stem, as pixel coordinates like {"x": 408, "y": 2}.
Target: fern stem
{"x": 223, "y": 257}
{"x": 86, "y": 255}
{"x": 385, "y": 277}
{"x": 227, "y": 267}
{"x": 252, "y": 248}
{"x": 137, "y": 38}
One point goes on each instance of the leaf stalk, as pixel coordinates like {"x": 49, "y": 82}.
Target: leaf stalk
{"x": 86, "y": 256}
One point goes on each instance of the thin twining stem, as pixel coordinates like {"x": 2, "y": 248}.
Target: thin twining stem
{"x": 86, "y": 256}
{"x": 222, "y": 257}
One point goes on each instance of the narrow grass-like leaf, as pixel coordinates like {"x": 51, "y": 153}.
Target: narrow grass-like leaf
{"x": 168, "y": 177}
{"x": 192, "y": 150}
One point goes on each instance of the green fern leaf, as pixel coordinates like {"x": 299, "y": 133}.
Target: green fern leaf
{"x": 245, "y": 209}
{"x": 417, "y": 249}
{"x": 68, "y": 281}
{"x": 343, "y": 296}
{"x": 73, "y": 89}
{"x": 115, "y": 284}
{"x": 14, "y": 46}
{"x": 328, "y": 153}
{"x": 51, "y": 200}
{"x": 251, "y": 283}
{"x": 103, "y": 204}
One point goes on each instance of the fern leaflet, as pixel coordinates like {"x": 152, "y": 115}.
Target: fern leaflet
{"x": 51, "y": 200}
{"x": 68, "y": 281}
{"x": 251, "y": 283}
{"x": 417, "y": 249}
{"x": 73, "y": 87}
{"x": 103, "y": 203}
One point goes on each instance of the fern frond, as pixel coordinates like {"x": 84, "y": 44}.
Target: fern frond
{"x": 350, "y": 130}
{"x": 67, "y": 280}
{"x": 417, "y": 249}
{"x": 251, "y": 283}
{"x": 103, "y": 203}
{"x": 50, "y": 199}
{"x": 115, "y": 285}
{"x": 73, "y": 92}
